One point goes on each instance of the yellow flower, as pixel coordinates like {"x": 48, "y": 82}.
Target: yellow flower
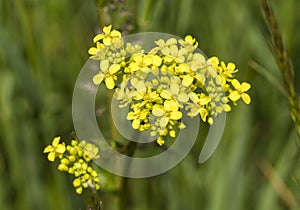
{"x": 175, "y": 55}
{"x": 107, "y": 74}
{"x": 107, "y": 36}
{"x": 240, "y": 91}
{"x": 160, "y": 141}
{"x": 137, "y": 116}
{"x": 91, "y": 151}
{"x": 189, "y": 43}
{"x": 164, "y": 46}
{"x": 55, "y": 149}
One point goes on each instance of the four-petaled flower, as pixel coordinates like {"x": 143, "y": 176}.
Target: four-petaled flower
{"x": 107, "y": 74}
{"x": 240, "y": 91}
{"x": 55, "y": 149}
{"x": 107, "y": 36}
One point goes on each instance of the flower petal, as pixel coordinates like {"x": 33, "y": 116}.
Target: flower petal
{"x": 104, "y": 65}
{"x": 177, "y": 115}
{"x": 203, "y": 113}
{"x": 114, "y": 68}
{"x": 234, "y": 95}
{"x": 98, "y": 37}
{"x": 109, "y": 82}
{"x": 136, "y": 123}
{"x": 60, "y": 148}
{"x": 160, "y": 141}
{"x": 55, "y": 141}
{"x": 47, "y": 149}
{"x": 165, "y": 94}
{"x": 187, "y": 80}
{"x": 97, "y": 79}
{"x": 174, "y": 88}
{"x": 51, "y": 156}
{"x": 92, "y": 50}
{"x": 245, "y": 86}
{"x": 158, "y": 112}
{"x": 115, "y": 33}
{"x": 107, "y": 29}
{"x": 236, "y": 84}
{"x": 171, "y": 105}
{"x": 163, "y": 122}
{"x": 246, "y": 98}
{"x": 183, "y": 97}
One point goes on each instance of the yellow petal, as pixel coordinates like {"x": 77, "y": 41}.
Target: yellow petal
{"x": 174, "y": 88}
{"x": 47, "y": 149}
{"x": 92, "y": 50}
{"x": 115, "y": 33}
{"x": 55, "y": 141}
{"x": 160, "y": 141}
{"x": 177, "y": 115}
{"x": 245, "y": 86}
{"x": 107, "y": 29}
{"x": 140, "y": 86}
{"x": 109, "y": 82}
{"x": 171, "y": 41}
{"x": 187, "y": 80}
{"x": 246, "y": 98}
{"x": 163, "y": 122}
{"x": 76, "y": 182}
{"x": 193, "y": 96}
{"x": 231, "y": 66}
{"x": 203, "y": 113}
{"x": 200, "y": 78}
{"x": 172, "y": 133}
{"x": 136, "y": 123}
{"x": 183, "y": 97}
{"x": 104, "y": 65}
{"x": 171, "y": 105}
{"x": 114, "y": 68}
{"x": 130, "y": 116}
{"x": 204, "y": 99}
{"x": 107, "y": 41}
{"x": 79, "y": 190}
{"x": 158, "y": 112}
{"x": 60, "y": 148}
{"x": 97, "y": 79}
{"x": 98, "y": 37}
{"x": 51, "y": 156}
{"x": 236, "y": 84}
{"x": 227, "y": 107}
{"x": 234, "y": 95}
{"x": 156, "y": 60}
{"x": 214, "y": 61}
{"x": 165, "y": 94}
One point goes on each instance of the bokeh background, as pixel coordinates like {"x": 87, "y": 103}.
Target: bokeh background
{"x": 43, "y": 46}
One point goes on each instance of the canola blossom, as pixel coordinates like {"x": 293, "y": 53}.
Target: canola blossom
{"x": 162, "y": 84}
{"x": 75, "y": 159}
{"x": 159, "y": 87}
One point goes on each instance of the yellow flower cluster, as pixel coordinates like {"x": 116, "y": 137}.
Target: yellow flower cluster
{"x": 75, "y": 159}
{"x": 162, "y": 85}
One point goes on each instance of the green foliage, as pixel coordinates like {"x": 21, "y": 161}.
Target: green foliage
{"x": 43, "y": 47}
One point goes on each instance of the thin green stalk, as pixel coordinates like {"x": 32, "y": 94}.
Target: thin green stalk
{"x": 284, "y": 63}
{"x": 131, "y": 147}
{"x": 123, "y": 190}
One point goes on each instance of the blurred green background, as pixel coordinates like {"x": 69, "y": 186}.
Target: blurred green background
{"x": 43, "y": 46}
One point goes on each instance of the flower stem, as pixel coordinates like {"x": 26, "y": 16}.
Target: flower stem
{"x": 124, "y": 190}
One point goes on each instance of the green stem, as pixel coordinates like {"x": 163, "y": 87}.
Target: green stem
{"x": 124, "y": 190}
{"x": 284, "y": 63}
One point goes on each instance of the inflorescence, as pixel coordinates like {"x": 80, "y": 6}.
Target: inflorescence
{"x": 160, "y": 85}
{"x": 75, "y": 159}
